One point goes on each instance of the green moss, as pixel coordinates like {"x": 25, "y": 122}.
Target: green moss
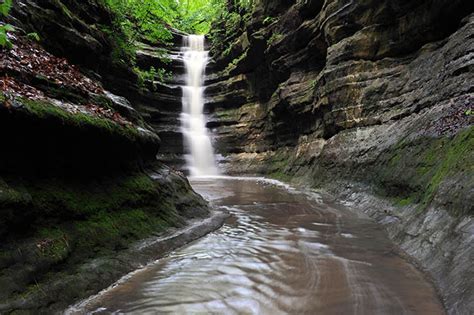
{"x": 405, "y": 201}
{"x": 228, "y": 114}
{"x": 43, "y": 110}
{"x": 78, "y": 221}
{"x": 53, "y": 243}
{"x": 280, "y": 176}
{"x": 102, "y": 101}
{"x": 65, "y": 93}
{"x": 11, "y": 195}
{"x": 395, "y": 160}
{"x": 452, "y": 156}
{"x": 233, "y": 64}
{"x": 31, "y": 290}
{"x": 107, "y": 231}
{"x": 274, "y": 38}
{"x": 227, "y": 51}
{"x": 76, "y": 199}
{"x": 278, "y": 165}
{"x": 415, "y": 171}
{"x": 269, "y": 20}
{"x": 65, "y": 9}
{"x": 232, "y": 23}
{"x": 236, "y": 61}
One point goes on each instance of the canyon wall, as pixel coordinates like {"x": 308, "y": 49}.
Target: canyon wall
{"x": 80, "y": 184}
{"x": 369, "y": 100}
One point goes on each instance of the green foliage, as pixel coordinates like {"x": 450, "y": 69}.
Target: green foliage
{"x": 197, "y": 16}
{"x": 419, "y": 172}
{"x": 33, "y": 36}
{"x": 404, "y": 201}
{"x": 243, "y": 5}
{"x": 274, "y": 38}
{"x": 124, "y": 50}
{"x": 269, "y": 20}
{"x": 152, "y": 75}
{"x": 5, "y": 28}
{"x": 4, "y": 41}
{"x": 232, "y": 23}
{"x": 152, "y": 21}
{"x": 147, "y": 18}
{"x": 5, "y": 7}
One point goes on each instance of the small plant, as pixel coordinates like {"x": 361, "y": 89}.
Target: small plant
{"x": 232, "y": 24}
{"x": 227, "y": 51}
{"x": 274, "y": 38}
{"x": 4, "y": 41}
{"x": 33, "y": 36}
{"x": 5, "y": 7}
{"x": 5, "y": 28}
{"x": 269, "y": 20}
{"x": 469, "y": 112}
{"x": 152, "y": 75}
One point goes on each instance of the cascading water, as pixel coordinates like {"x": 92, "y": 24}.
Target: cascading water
{"x": 200, "y": 160}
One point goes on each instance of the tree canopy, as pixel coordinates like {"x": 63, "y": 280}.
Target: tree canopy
{"x": 152, "y": 18}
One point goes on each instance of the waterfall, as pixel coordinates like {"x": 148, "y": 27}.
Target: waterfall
{"x": 200, "y": 158}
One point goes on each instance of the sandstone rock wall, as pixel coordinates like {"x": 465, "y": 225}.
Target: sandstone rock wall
{"x": 79, "y": 179}
{"x": 371, "y": 100}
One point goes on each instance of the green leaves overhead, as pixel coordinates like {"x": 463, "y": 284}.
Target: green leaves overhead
{"x": 153, "y": 21}
{"x": 153, "y": 17}
{"x": 197, "y": 16}
{"x": 148, "y": 18}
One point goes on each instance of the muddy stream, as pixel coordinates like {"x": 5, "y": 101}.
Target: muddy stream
{"x": 282, "y": 251}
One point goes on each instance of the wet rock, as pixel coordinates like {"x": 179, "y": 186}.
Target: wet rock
{"x": 372, "y": 93}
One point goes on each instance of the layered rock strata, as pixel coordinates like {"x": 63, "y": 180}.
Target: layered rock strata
{"x": 80, "y": 184}
{"x": 369, "y": 100}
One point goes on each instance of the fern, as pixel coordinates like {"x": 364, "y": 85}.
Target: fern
{"x": 5, "y": 7}
{"x": 33, "y": 36}
{"x": 5, "y": 28}
{"x": 4, "y": 41}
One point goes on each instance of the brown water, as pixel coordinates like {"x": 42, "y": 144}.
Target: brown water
{"x": 281, "y": 252}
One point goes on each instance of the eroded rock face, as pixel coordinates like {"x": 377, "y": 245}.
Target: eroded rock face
{"x": 373, "y": 95}
{"x": 161, "y": 104}
{"x": 81, "y": 32}
{"x": 77, "y": 31}
{"x": 79, "y": 180}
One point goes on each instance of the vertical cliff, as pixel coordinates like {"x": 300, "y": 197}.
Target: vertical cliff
{"x": 80, "y": 184}
{"x": 370, "y": 100}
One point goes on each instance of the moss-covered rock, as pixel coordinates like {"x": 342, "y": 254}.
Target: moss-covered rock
{"x": 66, "y": 222}
{"x": 416, "y": 172}
{"x": 67, "y": 138}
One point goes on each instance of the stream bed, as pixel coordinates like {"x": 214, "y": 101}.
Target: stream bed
{"x": 282, "y": 251}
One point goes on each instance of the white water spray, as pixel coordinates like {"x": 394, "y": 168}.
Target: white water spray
{"x": 200, "y": 160}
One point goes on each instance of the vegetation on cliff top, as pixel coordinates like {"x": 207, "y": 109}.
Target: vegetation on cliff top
{"x": 154, "y": 21}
